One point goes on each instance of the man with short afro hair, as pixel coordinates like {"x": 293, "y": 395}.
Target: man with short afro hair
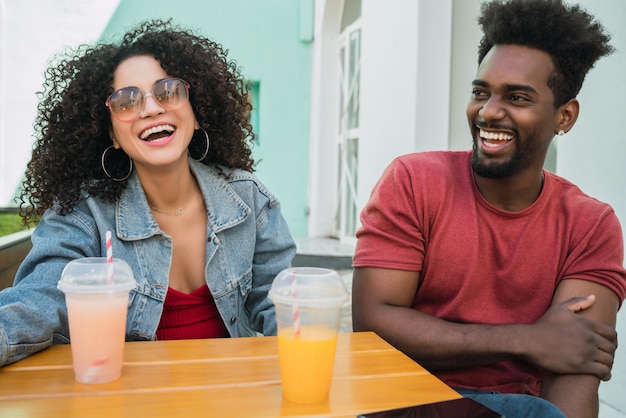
{"x": 568, "y": 33}
{"x": 501, "y": 278}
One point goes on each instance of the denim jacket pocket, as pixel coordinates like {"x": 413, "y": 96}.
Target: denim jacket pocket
{"x": 245, "y": 283}
{"x": 232, "y": 306}
{"x": 143, "y": 318}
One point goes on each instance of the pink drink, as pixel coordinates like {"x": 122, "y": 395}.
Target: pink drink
{"x": 97, "y": 333}
{"x": 96, "y": 294}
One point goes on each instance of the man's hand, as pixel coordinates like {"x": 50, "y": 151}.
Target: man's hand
{"x": 566, "y": 342}
{"x": 586, "y": 327}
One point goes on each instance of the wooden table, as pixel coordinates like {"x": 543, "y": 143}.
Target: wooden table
{"x": 237, "y": 377}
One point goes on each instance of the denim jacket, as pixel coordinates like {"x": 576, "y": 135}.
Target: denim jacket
{"x": 248, "y": 243}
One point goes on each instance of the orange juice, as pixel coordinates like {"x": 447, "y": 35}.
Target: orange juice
{"x": 306, "y": 363}
{"x": 97, "y": 332}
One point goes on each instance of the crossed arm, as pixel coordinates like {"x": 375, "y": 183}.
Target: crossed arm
{"x": 574, "y": 341}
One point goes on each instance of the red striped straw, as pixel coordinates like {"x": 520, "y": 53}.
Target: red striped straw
{"x": 294, "y": 305}
{"x": 109, "y": 246}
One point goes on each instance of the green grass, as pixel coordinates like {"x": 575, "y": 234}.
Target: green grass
{"x": 10, "y": 223}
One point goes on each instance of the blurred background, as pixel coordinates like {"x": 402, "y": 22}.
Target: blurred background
{"x": 340, "y": 88}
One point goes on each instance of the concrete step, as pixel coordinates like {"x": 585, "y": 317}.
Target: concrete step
{"x": 323, "y": 252}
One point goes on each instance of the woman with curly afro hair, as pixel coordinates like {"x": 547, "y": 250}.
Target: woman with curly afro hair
{"x": 148, "y": 140}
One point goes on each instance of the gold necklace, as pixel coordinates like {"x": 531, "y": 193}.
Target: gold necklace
{"x": 178, "y": 211}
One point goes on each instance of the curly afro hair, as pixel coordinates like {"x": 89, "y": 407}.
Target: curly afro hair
{"x": 73, "y": 124}
{"x": 568, "y": 33}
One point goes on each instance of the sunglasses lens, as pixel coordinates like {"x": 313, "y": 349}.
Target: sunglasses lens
{"x": 126, "y": 103}
{"x": 170, "y": 92}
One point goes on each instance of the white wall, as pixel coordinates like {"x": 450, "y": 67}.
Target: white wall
{"x": 405, "y": 74}
{"x": 434, "y": 27}
{"x": 465, "y": 37}
{"x": 31, "y": 31}
{"x": 324, "y": 118}
{"x": 388, "y": 86}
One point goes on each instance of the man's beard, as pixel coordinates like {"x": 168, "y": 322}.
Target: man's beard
{"x": 497, "y": 170}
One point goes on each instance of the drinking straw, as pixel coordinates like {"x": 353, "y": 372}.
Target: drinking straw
{"x": 94, "y": 370}
{"x": 109, "y": 246}
{"x": 294, "y": 305}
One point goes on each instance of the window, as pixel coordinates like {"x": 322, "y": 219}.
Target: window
{"x": 348, "y": 138}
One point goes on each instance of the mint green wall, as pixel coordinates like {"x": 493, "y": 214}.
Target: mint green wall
{"x": 271, "y": 41}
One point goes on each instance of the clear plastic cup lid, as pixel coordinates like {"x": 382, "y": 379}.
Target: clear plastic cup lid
{"x": 95, "y": 275}
{"x": 309, "y": 286}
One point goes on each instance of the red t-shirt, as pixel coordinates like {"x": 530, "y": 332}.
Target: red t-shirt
{"x": 480, "y": 264}
{"x": 190, "y": 316}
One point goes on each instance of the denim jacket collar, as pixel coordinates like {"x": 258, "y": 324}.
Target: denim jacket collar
{"x": 225, "y": 208}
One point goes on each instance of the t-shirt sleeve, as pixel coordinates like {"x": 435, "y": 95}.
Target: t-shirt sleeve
{"x": 391, "y": 235}
{"x": 599, "y": 255}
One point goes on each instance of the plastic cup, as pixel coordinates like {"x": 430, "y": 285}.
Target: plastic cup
{"x": 96, "y": 294}
{"x": 308, "y": 304}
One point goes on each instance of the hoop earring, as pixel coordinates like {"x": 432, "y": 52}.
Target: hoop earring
{"x": 104, "y": 157}
{"x": 195, "y": 148}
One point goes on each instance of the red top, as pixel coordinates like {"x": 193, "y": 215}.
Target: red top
{"x": 190, "y": 316}
{"x": 480, "y": 264}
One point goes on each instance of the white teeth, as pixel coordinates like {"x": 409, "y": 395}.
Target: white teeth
{"x": 145, "y": 134}
{"x": 495, "y": 136}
